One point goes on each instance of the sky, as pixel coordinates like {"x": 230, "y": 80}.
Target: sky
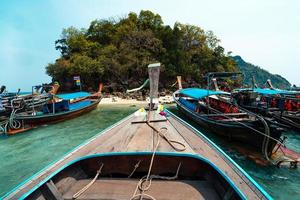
{"x": 265, "y": 33}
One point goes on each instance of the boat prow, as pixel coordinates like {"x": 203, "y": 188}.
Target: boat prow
{"x": 204, "y": 170}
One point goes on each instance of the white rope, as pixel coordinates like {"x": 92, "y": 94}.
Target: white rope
{"x": 14, "y": 124}
{"x": 148, "y": 177}
{"x": 266, "y": 134}
{"x": 135, "y": 167}
{"x": 80, "y": 192}
{"x": 235, "y": 120}
{"x": 143, "y": 180}
{"x": 171, "y": 142}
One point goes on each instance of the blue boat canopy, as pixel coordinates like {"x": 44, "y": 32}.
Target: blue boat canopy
{"x": 198, "y": 93}
{"x": 74, "y": 95}
{"x": 267, "y": 91}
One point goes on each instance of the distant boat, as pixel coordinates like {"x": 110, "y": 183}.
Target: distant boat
{"x": 283, "y": 105}
{"x": 147, "y": 155}
{"x": 59, "y": 108}
{"x": 213, "y": 111}
{"x": 23, "y": 101}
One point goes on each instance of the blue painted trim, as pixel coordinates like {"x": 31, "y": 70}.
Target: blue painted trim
{"x": 21, "y": 117}
{"x": 74, "y": 95}
{"x": 226, "y": 156}
{"x": 72, "y": 150}
{"x": 132, "y": 154}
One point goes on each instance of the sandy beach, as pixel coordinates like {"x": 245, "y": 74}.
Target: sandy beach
{"x": 118, "y": 100}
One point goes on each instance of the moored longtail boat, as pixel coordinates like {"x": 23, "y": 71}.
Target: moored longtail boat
{"x": 282, "y": 105}
{"x": 144, "y": 156}
{"x": 213, "y": 111}
{"x": 39, "y": 96}
{"x": 59, "y": 108}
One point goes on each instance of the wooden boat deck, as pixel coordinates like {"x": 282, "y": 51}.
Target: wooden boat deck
{"x": 118, "y": 189}
{"x": 126, "y": 136}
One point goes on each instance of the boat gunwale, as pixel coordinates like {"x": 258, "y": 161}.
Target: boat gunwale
{"x": 236, "y": 167}
{"x": 146, "y": 153}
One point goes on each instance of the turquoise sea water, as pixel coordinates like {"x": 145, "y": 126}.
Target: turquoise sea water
{"x": 23, "y": 155}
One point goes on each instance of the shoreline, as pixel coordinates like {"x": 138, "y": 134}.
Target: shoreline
{"x": 114, "y": 100}
{"x": 120, "y": 101}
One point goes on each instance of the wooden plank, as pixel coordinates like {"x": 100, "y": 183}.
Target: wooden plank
{"x": 160, "y": 189}
{"x": 50, "y": 191}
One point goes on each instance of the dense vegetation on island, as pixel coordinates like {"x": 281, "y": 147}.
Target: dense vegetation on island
{"x": 117, "y": 52}
{"x": 259, "y": 74}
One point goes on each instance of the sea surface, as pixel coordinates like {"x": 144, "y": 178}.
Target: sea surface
{"x": 23, "y": 155}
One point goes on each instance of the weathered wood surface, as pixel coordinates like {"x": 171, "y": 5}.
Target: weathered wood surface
{"x": 126, "y": 136}
{"x": 118, "y": 189}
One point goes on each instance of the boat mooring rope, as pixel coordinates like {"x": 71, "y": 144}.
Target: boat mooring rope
{"x": 12, "y": 123}
{"x": 148, "y": 178}
{"x": 266, "y": 134}
{"x": 248, "y": 126}
{"x": 171, "y": 142}
{"x": 80, "y": 192}
{"x": 3, "y": 125}
{"x": 266, "y": 143}
{"x": 140, "y": 186}
{"x": 266, "y": 139}
{"x": 135, "y": 167}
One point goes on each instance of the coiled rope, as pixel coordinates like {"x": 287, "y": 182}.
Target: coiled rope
{"x": 142, "y": 187}
{"x": 3, "y": 125}
{"x": 12, "y": 123}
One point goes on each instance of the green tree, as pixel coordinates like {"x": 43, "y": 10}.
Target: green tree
{"x": 117, "y": 52}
